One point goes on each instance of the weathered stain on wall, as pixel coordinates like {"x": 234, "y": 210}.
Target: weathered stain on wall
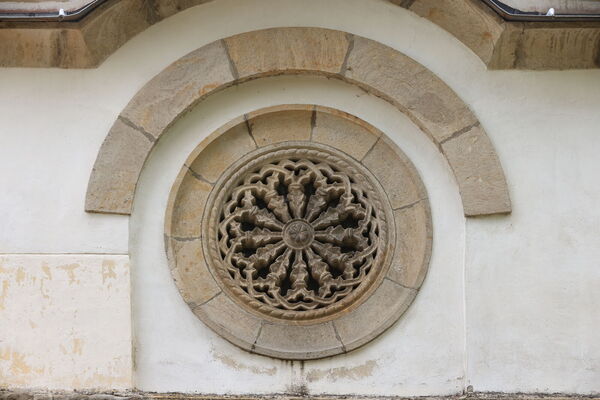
{"x": 240, "y": 366}
{"x": 355, "y": 373}
{"x": 64, "y": 324}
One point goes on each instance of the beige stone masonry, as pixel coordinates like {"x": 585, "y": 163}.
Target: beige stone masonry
{"x": 222, "y": 151}
{"x": 412, "y": 254}
{"x": 347, "y": 133}
{"x": 33, "y": 47}
{"x": 472, "y": 22}
{"x": 547, "y": 46}
{"x": 398, "y": 198}
{"x": 383, "y": 161}
{"x": 476, "y": 167}
{"x": 288, "y": 341}
{"x": 380, "y": 311}
{"x": 413, "y": 89}
{"x": 230, "y": 321}
{"x": 124, "y": 152}
{"x": 509, "y": 44}
{"x": 500, "y": 44}
{"x": 409, "y": 86}
{"x": 187, "y": 217}
{"x": 281, "y": 126}
{"x": 197, "y": 283}
{"x": 179, "y": 87}
{"x": 293, "y": 50}
{"x": 116, "y": 22}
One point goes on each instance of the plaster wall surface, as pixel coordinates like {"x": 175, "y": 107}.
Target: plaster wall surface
{"x": 390, "y": 365}
{"x": 510, "y": 303}
{"x": 60, "y": 312}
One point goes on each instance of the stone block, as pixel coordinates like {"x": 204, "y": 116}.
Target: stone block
{"x": 413, "y": 245}
{"x": 478, "y": 172}
{"x": 548, "y": 46}
{"x": 471, "y": 21}
{"x": 395, "y": 173}
{"x": 191, "y": 196}
{"x": 108, "y": 28}
{"x": 116, "y": 170}
{"x": 507, "y": 48}
{"x": 190, "y": 272}
{"x": 409, "y": 86}
{"x": 267, "y": 52}
{"x": 281, "y": 126}
{"x": 230, "y": 321}
{"x": 222, "y": 152}
{"x": 298, "y": 342}
{"x": 347, "y": 133}
{"x": 379, "y": 312}
{"x": 177, "y": 88}
{"x": 27, "y": 47}
{"x": 166, "y": 8}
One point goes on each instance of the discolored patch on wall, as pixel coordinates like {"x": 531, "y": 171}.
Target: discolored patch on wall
{"x": 234, "y": 364}
{"x": 353, "y": 373}
{"x": 64, "y": 326}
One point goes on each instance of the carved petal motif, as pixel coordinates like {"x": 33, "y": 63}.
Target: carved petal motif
{"x": 300, "y": 233}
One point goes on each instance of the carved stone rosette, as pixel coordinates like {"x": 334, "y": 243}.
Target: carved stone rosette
{"x": 298, "y": 232}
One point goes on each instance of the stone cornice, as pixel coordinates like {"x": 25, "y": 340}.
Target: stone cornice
{"x": 500, "y": 44}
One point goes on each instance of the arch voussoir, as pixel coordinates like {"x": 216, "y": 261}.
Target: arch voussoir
{"x": 378, "y": 69}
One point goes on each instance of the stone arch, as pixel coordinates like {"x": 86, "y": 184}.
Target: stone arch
{"x": 374, "y": 67}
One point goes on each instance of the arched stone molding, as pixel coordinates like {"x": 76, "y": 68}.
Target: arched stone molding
{"x": 498, "y": 43}
{"x": 376, "y": 68}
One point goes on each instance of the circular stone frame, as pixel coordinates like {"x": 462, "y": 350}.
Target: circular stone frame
{"x": 396, "y": 283}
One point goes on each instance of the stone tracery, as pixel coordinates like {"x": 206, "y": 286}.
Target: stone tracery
{"x": 300, "y": 233}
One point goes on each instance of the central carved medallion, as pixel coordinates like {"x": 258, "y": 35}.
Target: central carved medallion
{"x": 298, "y": 234}
{"x": 297, "y": 231}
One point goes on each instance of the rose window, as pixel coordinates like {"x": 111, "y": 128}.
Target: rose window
{"x": 298, "y": 233}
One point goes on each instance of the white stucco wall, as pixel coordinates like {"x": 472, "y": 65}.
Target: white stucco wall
{"x": 65, "y": 322}
{"x": 390, "y": 365}
{"x": 510, "y": 303}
